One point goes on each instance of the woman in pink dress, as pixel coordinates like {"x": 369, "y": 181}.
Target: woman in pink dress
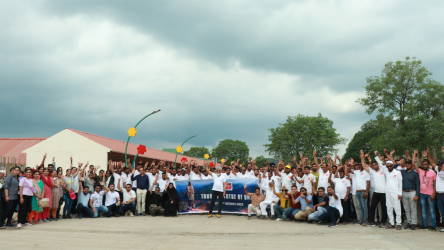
{"x": 47, "y": 186}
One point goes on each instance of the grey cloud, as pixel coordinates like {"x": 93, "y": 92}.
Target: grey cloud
{"x": 264, "y": 37}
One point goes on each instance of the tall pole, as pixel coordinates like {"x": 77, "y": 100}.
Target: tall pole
{"x": 133, "y": 133}
{"x": 182, "y": 149}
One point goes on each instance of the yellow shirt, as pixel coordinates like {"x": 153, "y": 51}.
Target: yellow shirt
{"x": 285, "y": 203}
{"x": 317, "y": 178}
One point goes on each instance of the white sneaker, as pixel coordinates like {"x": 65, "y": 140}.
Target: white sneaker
{"x": 442, "y": 230}
{"x": 131, "y": 214}
{"x": 278, "y": 219}
{"x": 19, "y": 225}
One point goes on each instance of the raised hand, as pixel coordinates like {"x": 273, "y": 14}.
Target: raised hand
{"x": 245, "y": 186}
{"x": 385, "y": 151}
{"x": 392, "y": 152}
{"x": 361, "y": 153}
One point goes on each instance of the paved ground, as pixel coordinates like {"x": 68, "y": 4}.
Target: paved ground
{"x": 199, "y": 232}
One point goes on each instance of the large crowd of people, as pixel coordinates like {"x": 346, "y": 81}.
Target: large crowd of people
{"x": 326, "y": 191}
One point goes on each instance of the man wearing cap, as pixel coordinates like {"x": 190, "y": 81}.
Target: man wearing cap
{"x": 393, "y": 190}
{"x": 286, "y": 177}
{"x": 284, "y": 204}
{"x": 183, "y": 175}
{"x": 291, "y": 211}
{"x": 206, "y": 176}
{"x": 271, "y": 199}
{"x": 256, "y": 199}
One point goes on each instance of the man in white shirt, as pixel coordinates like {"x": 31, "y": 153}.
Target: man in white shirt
{"x": 308, "y": 180}
{"x": 112, "y": 202}
{"x": 193, "y": 172}
{"x": 206, "y": 176}
{"x": 265, "y": 183}
{"x": 283, "y": 179}
{"x": 96, "y": 200}
{"x": 323, "y": 171}
{"x": 362, "y": 189}
{"x": 393, "y": 192}
{"x": 243, "y": 174}
{"x": 439, "y": 168}
{"x": 229, "y": 174}
{"x": 334, "y": 209}
{"x": 173, "y": 177}
{"x": 219, "y": 190}
{"x": 183, "y": 175}
{"x": 162, "y": 182}
{"x": 342, "y": 188}
{"x": 378, "y": 197}
{"x": 129, "y": 200}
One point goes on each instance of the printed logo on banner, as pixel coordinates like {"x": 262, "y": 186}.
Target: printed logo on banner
{"x": 228, "y": 186}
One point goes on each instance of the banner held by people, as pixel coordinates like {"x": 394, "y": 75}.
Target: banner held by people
{"x": 195, "y": 196}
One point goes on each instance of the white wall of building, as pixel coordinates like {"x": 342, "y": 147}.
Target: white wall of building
{"x": 65, "y": 144}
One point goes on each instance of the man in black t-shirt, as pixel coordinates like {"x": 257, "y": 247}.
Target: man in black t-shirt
{"x": 319, "y": 208}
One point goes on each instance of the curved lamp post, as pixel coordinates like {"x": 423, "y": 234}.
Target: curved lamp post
{"x": 131, "y": 133}
{"x": 180, "y": 149}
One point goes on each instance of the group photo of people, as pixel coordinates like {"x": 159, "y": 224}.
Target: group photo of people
{"x": 378, "y": 190}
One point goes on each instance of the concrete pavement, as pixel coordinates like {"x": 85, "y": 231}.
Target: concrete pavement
{"x": 198, "y": 232}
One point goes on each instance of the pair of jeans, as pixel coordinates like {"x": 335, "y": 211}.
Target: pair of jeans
{"x": 101, "y": 209}
{"x": 332, "y": 215}
{"x": 362, "y": 204}
{"x": 113, "y": 209}
{"x": 24, "y": 209}
{"x": 278, "y": 211}
{"x": 378, "y": 198}
{"x": 84, "y": 211}
{"x": 68, "y": 204}
{"x": 440, "y": 202}
{"x": 130, "y": 206}
{"x": 346, "y": 208}
{"x": 290, "y": 212}
{"x": 425, "y": 201}
{"x": 213, "y": 200}
{"x": 316, "y": 215}
{"x": 8, "y": 212}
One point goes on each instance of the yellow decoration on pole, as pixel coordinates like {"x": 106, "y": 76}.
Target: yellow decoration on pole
{"x": 240, "y": 165}
{"x": 206, "y": 156}
{"x": 179, "y": 149}
{"x": 222, "y": 160}
{"x": 132, "y": 132}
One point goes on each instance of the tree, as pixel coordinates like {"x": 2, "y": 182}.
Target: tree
{"x": 261, "y": 160}
{"x": 232, "y": 150}
{"x": 361, "y": 140}
{"x": 303, "y": 134}
{"x": 409, "y": 105}
{"x": 197, "y": 152}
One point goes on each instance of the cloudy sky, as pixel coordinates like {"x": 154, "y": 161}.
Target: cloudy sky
{"x": 220, "y": 69}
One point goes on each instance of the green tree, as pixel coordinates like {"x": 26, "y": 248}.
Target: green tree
{"x": 232, "y": 150}
{"x": 261, "y": 160}
{"x": 303, "y": 134}
{"x": 198, "y": 152}
{"x": 409, "y": 105}
{"x": 361, "y": 140}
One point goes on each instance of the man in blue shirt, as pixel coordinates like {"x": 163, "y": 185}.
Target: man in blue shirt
{"x": 143, "y": 184}
{"x": 306, "y": 202}
{"x": 82, "y": 202}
